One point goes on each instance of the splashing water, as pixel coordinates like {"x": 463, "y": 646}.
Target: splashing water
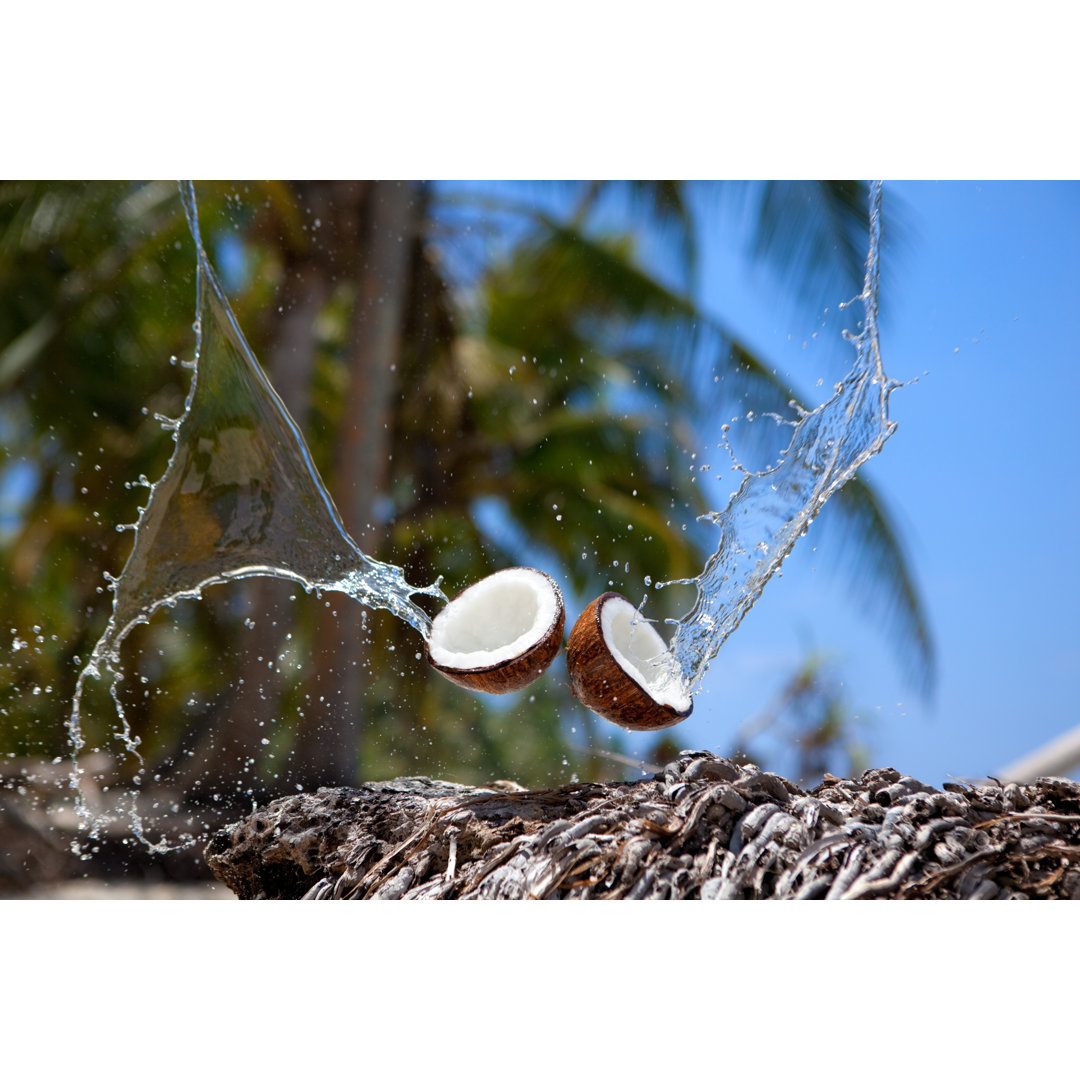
{"x": 240, "y": 498}
{"x": 773, "y": 508}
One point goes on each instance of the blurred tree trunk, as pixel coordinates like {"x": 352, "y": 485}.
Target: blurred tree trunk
{"x": 229, "y": 748}
{"x": 365, "y": 236}
{"x": 381, "y": 227}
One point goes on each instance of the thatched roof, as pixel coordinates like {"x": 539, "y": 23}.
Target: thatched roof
{"x": 703, "y": 828}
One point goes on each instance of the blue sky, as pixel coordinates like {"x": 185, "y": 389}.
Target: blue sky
{"x": 978, "y": 305}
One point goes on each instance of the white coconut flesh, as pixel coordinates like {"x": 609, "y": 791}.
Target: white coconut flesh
{"x": 499, "y": 618}
{"x": 641, "y": 652}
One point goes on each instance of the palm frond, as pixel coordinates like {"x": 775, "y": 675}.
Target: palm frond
{"x": 811, "y": 233}
{"x": 876, "y": 568}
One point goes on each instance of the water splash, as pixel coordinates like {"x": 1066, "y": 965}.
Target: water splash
{"x": 773, "y": 508}
{"x": 240, "y": 498}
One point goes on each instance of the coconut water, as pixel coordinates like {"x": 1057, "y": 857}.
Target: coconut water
{"x": 774, "y": 507}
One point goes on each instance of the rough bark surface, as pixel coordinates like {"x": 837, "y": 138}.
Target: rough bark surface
{"x": 703, "y": 828}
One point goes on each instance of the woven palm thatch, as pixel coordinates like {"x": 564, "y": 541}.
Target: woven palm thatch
{"x": 703, "y": 828}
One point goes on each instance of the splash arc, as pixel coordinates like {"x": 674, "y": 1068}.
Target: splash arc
{"x": 240, "y": 498}
{"x": 772, "y": 509}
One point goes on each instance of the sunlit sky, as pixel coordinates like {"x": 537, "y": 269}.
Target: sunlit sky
{"x": 979, "y": 305}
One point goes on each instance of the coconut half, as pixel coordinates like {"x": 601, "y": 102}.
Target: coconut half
{"x": 501, "y": 633}
{"x": 621, "y": 668}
